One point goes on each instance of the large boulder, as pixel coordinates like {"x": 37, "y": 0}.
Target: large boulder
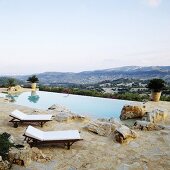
{"x": 155, "y": 116}
{"x": 115, "y": 123}
{"x": 132, "y": 111}
{"x": 18, "y": 88}
{"x": 99, "y": 127}
{"x": 144, "y": 125}
{"x": 124, "y": 134}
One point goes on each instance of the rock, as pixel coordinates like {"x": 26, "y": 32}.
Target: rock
{"x": 53, "y": 107}
{"x": 101, "y": 128}
{"x": 58, "y": 108}
{"x": 166, "y": 127}
{"x": 61, "y": 114}
{"x": 11, "y": 139}
{"x": 38, "y": 156}
{"x": 5, "y": 165}
{"x": 20, "y": 156}
{"x": 115, "y": 123}
{"x": 11, "y": 89}
{"x": 155, "y": 116}
{"x": 18, "y": 88}
{"x": 124, "y": 134}
{"x": 24, "y": 156}
{"x": 36, "y": 111}
{"x": 132, "y": 111}
{"x": 144, "y": 125}
{"x": 0, "y": 158}
{"x": 60, "y": 117}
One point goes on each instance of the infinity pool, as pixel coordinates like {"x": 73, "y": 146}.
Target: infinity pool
{"x": 88, "y": 106}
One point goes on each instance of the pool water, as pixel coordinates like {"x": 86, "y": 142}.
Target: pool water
{"x": 88, "y": 106}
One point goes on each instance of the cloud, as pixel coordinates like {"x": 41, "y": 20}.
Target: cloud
{"x": 153, "y": 3}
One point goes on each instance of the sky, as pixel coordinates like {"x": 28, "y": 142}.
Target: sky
{"x": 77, "y": 35}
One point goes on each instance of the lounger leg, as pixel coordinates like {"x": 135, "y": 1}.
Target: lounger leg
{"x": 15, "y": 124}
{"x": 68, "y": 145}
{"x": 25, "y": 139}
{"x": 42, "y": 123}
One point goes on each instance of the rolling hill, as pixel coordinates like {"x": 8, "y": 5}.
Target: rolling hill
{"x": 88, "y": 77}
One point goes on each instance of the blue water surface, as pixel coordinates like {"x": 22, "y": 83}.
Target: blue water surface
{"x": 88, "y": 106}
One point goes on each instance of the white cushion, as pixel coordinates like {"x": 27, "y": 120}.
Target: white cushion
{"x": 22, "y": 116}
{"x": 61, "y": 135}
{"x": 34, "y": 133}
{"x": 38, "y": 117}
{"x": 18, "y": 114}
{"x": 52, "y": 135}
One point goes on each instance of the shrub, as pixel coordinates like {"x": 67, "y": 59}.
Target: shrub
{"x": 33, "y": 79}
{"x": 5, "y": 145}
{"x": 156, "y": 85}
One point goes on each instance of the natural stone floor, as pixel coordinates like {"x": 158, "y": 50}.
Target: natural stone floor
{"x": 150, "y": 150}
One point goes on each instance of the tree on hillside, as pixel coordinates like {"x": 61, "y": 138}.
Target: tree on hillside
{"x": 11, "y": 82}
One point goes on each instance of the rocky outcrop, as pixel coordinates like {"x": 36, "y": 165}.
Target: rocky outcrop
{"x": 132, "y": 111}
{"x": 16, "y": 88}
{"x": 39, "y": 156}
{"x": 144, "y": 125}
{"x": 101, "y": 128}
{"x": 20, "y": 156}
{"x": 61, "y": 114}
{"x": 25, "y": 156}
{"x": 124, "y": 134}
{"x": 155, "y": 116}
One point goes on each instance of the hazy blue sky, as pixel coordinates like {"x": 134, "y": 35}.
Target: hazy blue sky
{"x": 76, "y": 35}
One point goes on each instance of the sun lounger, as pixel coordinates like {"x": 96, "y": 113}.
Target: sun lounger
{"x": 36, "y": 137}
{"x": 20, "y": 117}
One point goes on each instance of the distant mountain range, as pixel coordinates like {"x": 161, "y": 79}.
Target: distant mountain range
{"x": 89, "y": 77}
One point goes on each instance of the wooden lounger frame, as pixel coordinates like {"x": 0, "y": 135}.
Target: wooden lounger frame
{"x": 35, "y": 142}
{"x": 16, "y": 121}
